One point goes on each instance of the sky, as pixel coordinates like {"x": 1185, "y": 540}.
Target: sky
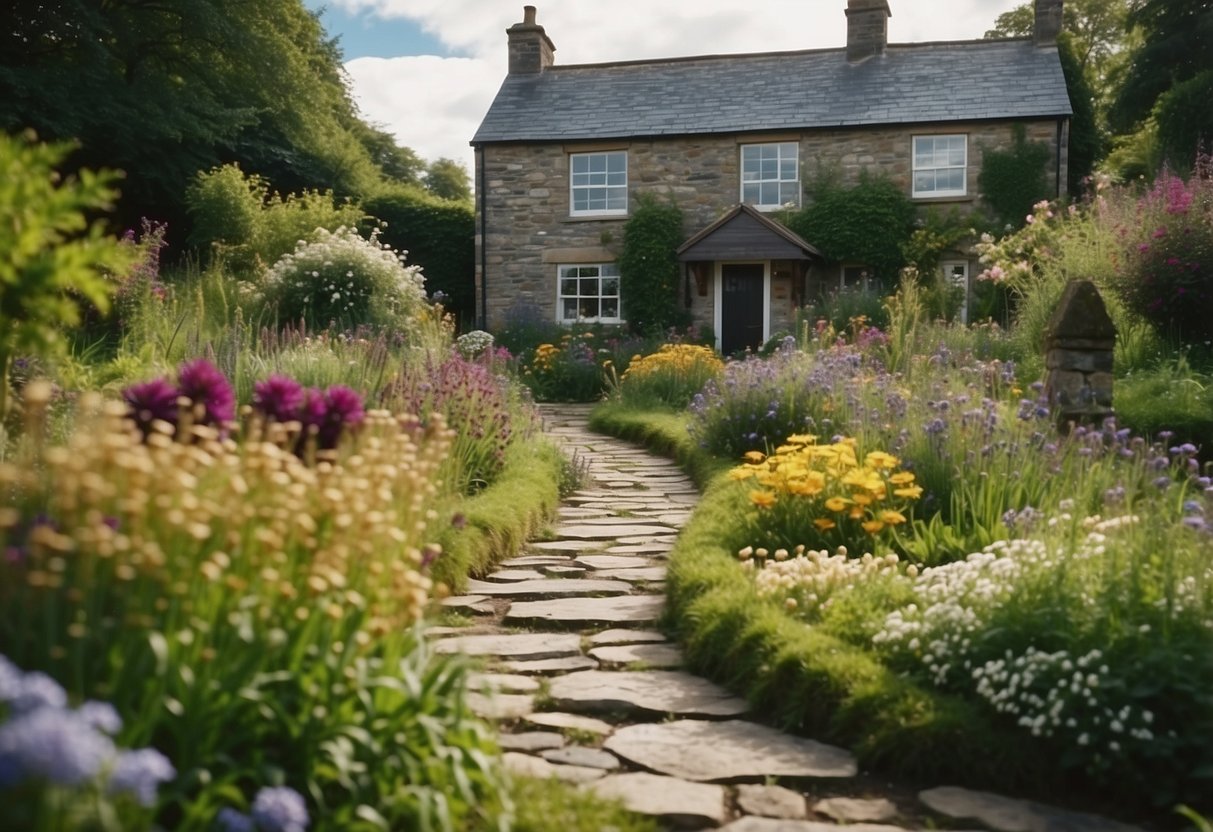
{"x": 427, "y": 70}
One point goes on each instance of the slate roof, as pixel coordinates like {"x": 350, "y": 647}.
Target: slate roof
{"x": 912, "y": 83}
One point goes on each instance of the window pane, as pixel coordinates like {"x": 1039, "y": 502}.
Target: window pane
{"x": 618, "y": 201}
{"x": 611, "y": 269}
{"x": 568, "y": 287}
{"x": 569, "y": 310}
{"x": 581, "y": 164}
{"x": 750, "y": 192}
{"x": 610, "y": 287}
{"x": 956, "y": 155}
{"x": 951, "y": 180}
{"x": 788, "y": 193}
{"x": 589, "y": 286}
{"x": 924, "y": 182}
{"x": 588, "y": 308}
{"x": 617, "y": 162}
{"x": 610, "y": 308}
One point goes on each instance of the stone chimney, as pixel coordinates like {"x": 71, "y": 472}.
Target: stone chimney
{"x": 1047, "y": 25}
{"x": 867, "y": 29}
{"x": 530, "y": 47}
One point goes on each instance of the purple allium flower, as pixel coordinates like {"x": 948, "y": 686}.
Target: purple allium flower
{"x": 280, "y": 809}
{"x": 53, "y": 745}
{"x": 152, "y": 400}
{"x": 342, "y": 411}
{"x": 279, "y": 398}
{"x": 139, "y": 773}
{"x": 10, "y": 680}
{"x": 204, "y": 384}
{"x": 229, "y": 820}
{"x": 101, "y": 716}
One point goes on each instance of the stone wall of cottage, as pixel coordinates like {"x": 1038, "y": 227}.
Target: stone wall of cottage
{"x": 528, "y": 231}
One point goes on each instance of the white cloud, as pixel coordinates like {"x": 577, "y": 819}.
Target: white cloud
{"x": 434, "y": 104}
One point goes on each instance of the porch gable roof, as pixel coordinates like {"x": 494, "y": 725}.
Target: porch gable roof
{"x": 745, "y": 233}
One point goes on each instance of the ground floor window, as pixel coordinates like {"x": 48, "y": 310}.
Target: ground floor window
{"x": 589, "y": 293}
{"x": 956, "y": 273}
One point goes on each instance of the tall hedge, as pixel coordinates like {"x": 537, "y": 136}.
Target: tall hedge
{"x": 648, "y": 266}
{"x": 439, "y": 236}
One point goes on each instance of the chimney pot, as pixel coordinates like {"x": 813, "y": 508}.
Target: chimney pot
{"x": 528, "y": 15}
{"x": 1047, "y": 24}
{"x": 867, "y": 29}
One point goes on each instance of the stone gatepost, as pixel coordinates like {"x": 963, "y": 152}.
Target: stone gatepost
{"x": 1078, "y": 357}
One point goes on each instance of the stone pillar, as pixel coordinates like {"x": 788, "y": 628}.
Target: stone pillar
{"x": 867, "y": 29}
{"x": 1078, "y": 357}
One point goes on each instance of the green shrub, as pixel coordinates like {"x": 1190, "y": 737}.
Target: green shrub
{"x": 1185, "y": 123}
{"x": 438, "y": 236}
{"x": 670, "y": 377}
{"x": 53, "y": 260}
{"x": 343, "y": 279}
{"x": 1013, "y": 180}
{"x": 649, "y": 271}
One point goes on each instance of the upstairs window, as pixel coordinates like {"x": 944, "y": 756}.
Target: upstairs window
{"x": 589, "y": 293}
{"x": 598, "y": 183}
{"x": 940, "y": 165}
{"x": 770, "y": 175}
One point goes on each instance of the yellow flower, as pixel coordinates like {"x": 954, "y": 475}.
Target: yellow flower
{"x": 862, "y": 499}
{"x": 912, "y": 492}
{"x": 872, "y": 526}
{"x": 824, "y": 524}
{"x": 741, "y": 472}
{"x": 902, "y": 478}
{"x": 837, "y": 503}
{"x": 754, "y": 457}
{"x": 801, "y": 439}
{"x": 762, "y": 499}
{"x": 892, "y": 518}
{"x": 881, "y": 460}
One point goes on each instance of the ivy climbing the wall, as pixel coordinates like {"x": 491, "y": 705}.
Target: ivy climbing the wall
{"x": 649, "y": 271}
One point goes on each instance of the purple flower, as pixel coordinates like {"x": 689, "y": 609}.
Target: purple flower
{"x": 229, "y": 820}
{"x": 10, "y": 680}
{"x": 280, "y": 809}
{"x": 37, "y": 691}
{"x": 342, "y": 411}
{"x": 140, "y": 773}
{"x": 152, "y": 400}
{"x": 204, "y": 384}
{"x": 279, "y": 398}
{"x": 53, "y": 745}
{"x": 101, "y": 716}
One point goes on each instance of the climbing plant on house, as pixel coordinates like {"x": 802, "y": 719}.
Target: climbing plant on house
{"x": 648, "y": 266}
{"x": 1014, "y": 179}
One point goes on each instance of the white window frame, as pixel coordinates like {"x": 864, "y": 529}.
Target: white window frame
{"x": 948, "y": 270}
{"x": 779, "y": 180}
{"x": 605, "y": 180}
{"x": 935, "y": 165}
{"x": 563, "y": 273}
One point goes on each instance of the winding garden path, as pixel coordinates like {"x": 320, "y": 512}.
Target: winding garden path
{"x": 587, "y": 690}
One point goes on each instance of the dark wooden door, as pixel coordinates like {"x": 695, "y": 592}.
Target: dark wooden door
{"x": 740, "y": 306}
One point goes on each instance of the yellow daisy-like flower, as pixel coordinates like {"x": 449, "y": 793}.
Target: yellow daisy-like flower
{"x": 892, "y": 518}
{"x": 911, "y": 492}
{"x": 872, "y": 526}
{"x": 902, "y": 478}
{"x": 881, "y": 460}
{"x": 856, "y": 513}
{"x": 741, "y": 473}
{"x": 754, "y": 457}
{"x": 861, "y": 499}
{"x": 824, "y": 524}
{"x": 801, "y": 439}
{"x": 762, "y": 499}
{"x": 837, "y": 504}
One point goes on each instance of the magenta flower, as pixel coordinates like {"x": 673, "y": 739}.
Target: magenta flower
{"x": 152, "y": 400}
{"x": 279, "y": 398}
{"x": 342, "y": 411}
{"x": 204, "y": 384}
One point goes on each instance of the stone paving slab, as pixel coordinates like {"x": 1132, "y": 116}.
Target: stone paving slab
{"x": 501, "y": 705}
{"x": 757, "y": 824}
{"x": 657, "y": 549}
{"x": 856, "y": 809}
{"x": 579, "y": 755}
{"x": 550, "y": 588}
{"x": 674, "y": 801}
{"x": 543, "y": 667}
{"x": 563, "y": 571}
{"x": 771, "y": 801}
{"x": 531, "y": 741}
{"x": 634, "y": 574}
{"x": 695, "y": 749}
{"x": 622, "y": 531}
{"x": 567, "y": 547}
{"x": 597, "y": 562}
{"x": 656, "y": 691}
{"x": 619, "y": 635}
{"x": 527, "y": 561}
{"x": 503, "y": 682}
{"x": 516, "y": 646}
{"x": 458, "y": 602}
{"x": 1006, "y": 814}
{"x": 652, "y": 655}
{"x": 571, "y": 722}
{"x": 529, "y": 766}
{"x": 636, "y": 609}
{"x": 513, "y": 575}
{"x": 647, "y": 540}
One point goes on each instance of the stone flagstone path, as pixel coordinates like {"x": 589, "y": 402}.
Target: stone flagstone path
{"x": 586, "y": 690}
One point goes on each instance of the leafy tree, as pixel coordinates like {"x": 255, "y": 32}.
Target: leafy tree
{"x": 164, "y": 89}
{"x": 1177, "y": 45}
{"x": 1086, "y": 141}
{"x": 649, "y": 270}
{"x": 52, "y": 259}
{"x": 868, "y": 223}
{"x": 447, "y": 179}
{"x": 1185, "y": 121}
{"x": 399, "y": 164}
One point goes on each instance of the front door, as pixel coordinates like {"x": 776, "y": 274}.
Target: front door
{"x": 741, "y": 299}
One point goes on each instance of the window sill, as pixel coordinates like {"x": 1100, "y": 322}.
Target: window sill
{"x": 937, "y": 199}
{"x": 597, "y": 218}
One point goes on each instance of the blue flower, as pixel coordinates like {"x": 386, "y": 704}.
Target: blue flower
{"x": 229, "y": 820}
{"x": 102, "y": 716}
{"x": 53, "y": 745}
{"x": 140, "y": 773}
{"x": 280, "y": 809}
{"x": 37, "y": 690}
{"x": 10, "y": 680}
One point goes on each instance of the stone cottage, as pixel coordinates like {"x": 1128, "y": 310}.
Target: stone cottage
{"x": 564, "y": 151}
